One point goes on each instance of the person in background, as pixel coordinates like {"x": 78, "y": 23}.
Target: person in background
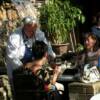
{"x": 91, "y": 52}
{"x": 40, "y": 73}
{"x": 96, "y": 28}
{"x": 19, "y": 46}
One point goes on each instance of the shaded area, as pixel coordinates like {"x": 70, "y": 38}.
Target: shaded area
{"x": 90, "y": 8}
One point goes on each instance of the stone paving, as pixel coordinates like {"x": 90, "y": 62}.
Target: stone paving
{"x": 5, "y": 90}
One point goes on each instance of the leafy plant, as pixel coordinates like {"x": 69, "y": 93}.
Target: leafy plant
{"x": 79, "y": 47}
{"x": 58, "y": 17}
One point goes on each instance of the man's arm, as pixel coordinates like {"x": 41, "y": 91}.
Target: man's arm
{"x": 14, "y": 49}
{"x": 41, "y": 36}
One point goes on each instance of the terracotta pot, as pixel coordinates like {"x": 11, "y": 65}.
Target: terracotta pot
{"x": 60, "y": 49}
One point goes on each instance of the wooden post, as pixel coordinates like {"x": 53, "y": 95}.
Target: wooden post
{"x": 73, "y": 40}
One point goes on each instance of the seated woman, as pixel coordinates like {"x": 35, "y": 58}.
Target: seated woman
{"x": 40, "y": 77}
{"x": 90, "y": 60}
{"x": 91, "y": 52}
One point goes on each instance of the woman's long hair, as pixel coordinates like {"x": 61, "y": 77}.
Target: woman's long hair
{"x": 94, "y": 37}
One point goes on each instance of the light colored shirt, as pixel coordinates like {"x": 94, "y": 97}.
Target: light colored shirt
{"x": 96, "y": 97}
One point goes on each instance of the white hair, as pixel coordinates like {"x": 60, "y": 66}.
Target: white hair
{"x": 29, "y": 20}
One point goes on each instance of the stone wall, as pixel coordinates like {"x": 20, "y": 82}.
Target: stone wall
{"x": 8, "y": 11}
{"x": 8, "y": 20}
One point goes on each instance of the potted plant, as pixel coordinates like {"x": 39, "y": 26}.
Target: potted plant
{"x": 58, "y": 18}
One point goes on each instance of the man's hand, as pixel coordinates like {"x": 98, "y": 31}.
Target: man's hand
{"x": 28, "y": 65}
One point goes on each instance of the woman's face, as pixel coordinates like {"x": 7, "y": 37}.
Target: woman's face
{"x": 90, "y": 43}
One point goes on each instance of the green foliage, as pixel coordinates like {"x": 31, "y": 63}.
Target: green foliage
{"x": 58, "y": 17}
{"x": 79, "y": 47}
